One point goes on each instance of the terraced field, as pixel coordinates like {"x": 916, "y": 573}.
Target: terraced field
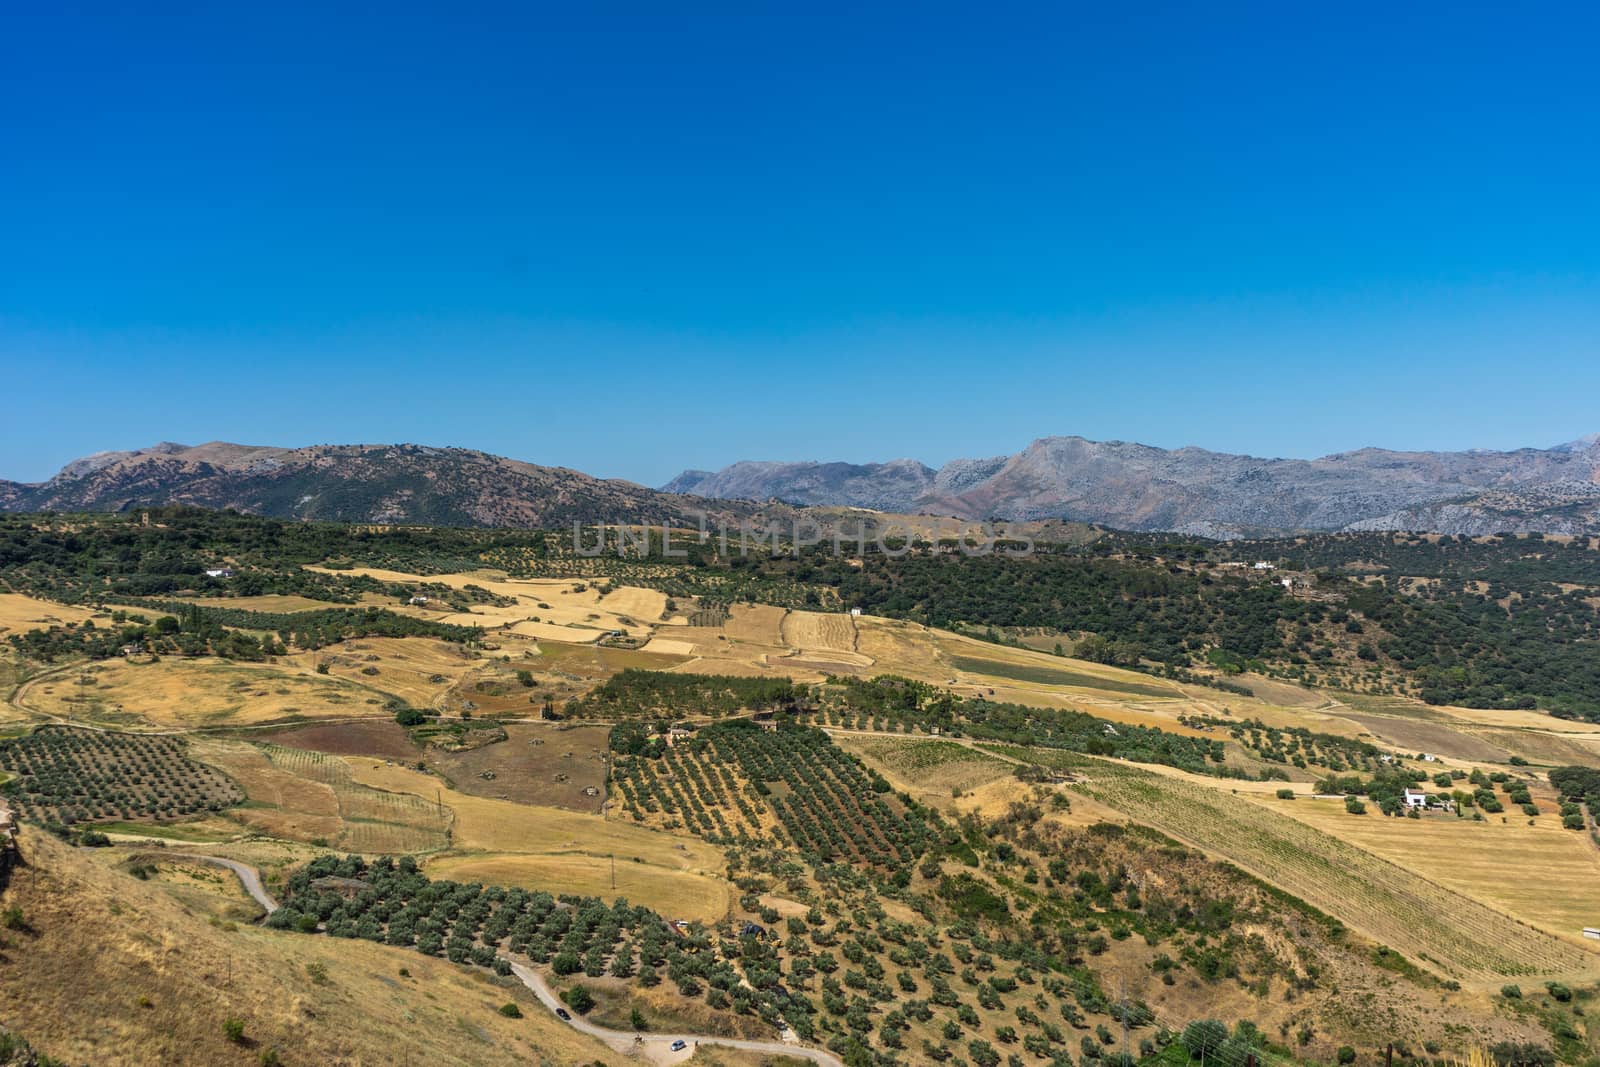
{"x": 1426, "y": 921}
{"x": 308, "y": 795}
{"x": 818, "y": 630}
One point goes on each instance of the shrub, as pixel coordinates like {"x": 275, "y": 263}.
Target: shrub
{"x": 1286, "y": 794}
{"x": 233, "y": 1029}
{"x": 1347, "y": 1054}
{"x": 1511, "y": 992}
{"x": 510, "y": 1011}
{"x": 578, "y": 999}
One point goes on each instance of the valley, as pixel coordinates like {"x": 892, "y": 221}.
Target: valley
{"x": 867, "y": 834}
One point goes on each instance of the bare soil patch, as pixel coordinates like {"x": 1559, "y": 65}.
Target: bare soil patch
{"x": 386, "y": 740}
{"x": 535, "y": 764}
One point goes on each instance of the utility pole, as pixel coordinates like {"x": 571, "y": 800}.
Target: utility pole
{"x": 1122, "y": 996}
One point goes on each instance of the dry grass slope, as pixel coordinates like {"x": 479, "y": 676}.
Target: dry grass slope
{"x": 118, "y": 972}
{"x": 1396, "y": 906}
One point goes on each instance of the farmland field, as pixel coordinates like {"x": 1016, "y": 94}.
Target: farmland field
{"x": 372, "y": 737}
{"x": 928, "y": 766}
{"x": 682, "y": 894}
{"x": 195, "y": 692}
{"x": 1422, "y": 919}
{"x": 491, "y": 825}
{"x": 1473, "y": 858}
{"x": 67, "y": 776}
{"x": 272, "y": 602}
{"x": 757, "y": 624}
{"x": 311, "y": 796}
{"x": 1048, "y": 675}
{"x": 418, "y": 670}
{"x": 831, "y": 631}
{"x": 19, "y": 613}
{"x": 535, "y": 764}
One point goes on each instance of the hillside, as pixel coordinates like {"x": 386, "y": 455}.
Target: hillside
{"x": 1192, "y": 490}
{"x": 116, "y": 970}
{"x": 352, "y": 483}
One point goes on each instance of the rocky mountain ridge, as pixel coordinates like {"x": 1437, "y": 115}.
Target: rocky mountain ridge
{"x": 1193, "y": 490}
{"x": 355, "y": 483}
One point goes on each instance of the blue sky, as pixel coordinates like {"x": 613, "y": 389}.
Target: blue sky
{"x": 633, "y": 240}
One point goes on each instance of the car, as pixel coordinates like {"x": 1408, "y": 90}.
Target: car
{"x": 563, "y": 1013}
{"x": 678, "y": 1045}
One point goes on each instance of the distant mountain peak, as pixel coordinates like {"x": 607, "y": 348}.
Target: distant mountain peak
{"x": 1141, "y": 487}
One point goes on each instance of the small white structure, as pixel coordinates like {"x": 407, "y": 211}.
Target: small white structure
{"x": 1415, "y": 798}
{"x": 418, "y": 599}
{"x": 1592, "y": 932}
{"x": 855, "y": 612}
{"x": 219, "y": 572}
{"x": 1263, "y": 565}
{"x": 1428, "y": 757}
{"x": 1287, "y": 583}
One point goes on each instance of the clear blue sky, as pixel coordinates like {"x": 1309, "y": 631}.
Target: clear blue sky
{"x": 635, "y": 239}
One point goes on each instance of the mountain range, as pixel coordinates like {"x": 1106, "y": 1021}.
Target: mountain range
{"x": 352, "y": 483}
{"x": 1110, "y": 483}
{"x": 1213, "y": 494}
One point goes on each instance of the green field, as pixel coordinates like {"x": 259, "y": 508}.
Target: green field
{"x": 1058, "y": 676}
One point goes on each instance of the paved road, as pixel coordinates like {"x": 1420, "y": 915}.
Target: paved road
{"x": 658, "y": 1047}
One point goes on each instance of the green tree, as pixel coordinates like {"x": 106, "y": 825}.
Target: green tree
{"x": 1203, "y": 1037}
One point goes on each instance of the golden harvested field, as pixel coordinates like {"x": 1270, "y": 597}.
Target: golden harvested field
{"x": 563, "y": 609}
{"x": 490, "y": 825}
{"x": 832, "y": 631}
{"x": 119, "y": 972}
{"x": 20, "y": 613}
{"x": 176, "y": 692}
{"x": 598, "y": 662}
{"x": 1394, "y": 904}
{"x": 419, "y": 670}
{"x": 668, "y": 646}
{"x": 675, "y": 894}
{"x": 1478, "y": 859}
{"x": 274, "y": 602}
{"x": 756, "y": 624}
